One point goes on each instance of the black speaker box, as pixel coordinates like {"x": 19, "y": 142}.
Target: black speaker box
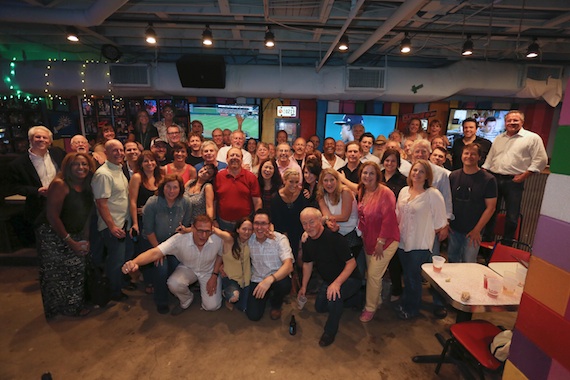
{"x": 202, "y": 71}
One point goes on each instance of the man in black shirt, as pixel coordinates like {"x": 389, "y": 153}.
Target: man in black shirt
{"x": 474, "y": 196}
{"x": 469, "y": 136}
{"x": 336, "y": 265}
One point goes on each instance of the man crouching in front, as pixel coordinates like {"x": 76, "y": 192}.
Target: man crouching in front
{"x": 200, "y": 256}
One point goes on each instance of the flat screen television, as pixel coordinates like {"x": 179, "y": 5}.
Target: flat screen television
{"x": 337, "y": 128}
{"x": 224, "y": 116}
{"x": 491, "y": 123}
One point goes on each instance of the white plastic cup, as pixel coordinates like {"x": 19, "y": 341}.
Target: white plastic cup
{"x": 509, "y": 285}
{"x": 438, "y": 263}
{"x": 521, "y": 275}
{"x": 494, "y": 286}
{"x": 301, "y": 301}
{"x": 84, "y": 246}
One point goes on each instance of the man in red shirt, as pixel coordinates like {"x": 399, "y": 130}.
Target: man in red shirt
{"x": 237, "y": 191}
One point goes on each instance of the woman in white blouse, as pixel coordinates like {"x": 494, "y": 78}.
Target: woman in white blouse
{"x": 421, "y": 215}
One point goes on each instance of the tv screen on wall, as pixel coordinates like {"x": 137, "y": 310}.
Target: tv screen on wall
{"x": 224, "y": 116}
{"x": 338, "y": 125}
{"x": 490, "y": 123}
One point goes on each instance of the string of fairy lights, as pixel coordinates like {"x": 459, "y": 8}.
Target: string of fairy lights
{"x": 50, "y": 93}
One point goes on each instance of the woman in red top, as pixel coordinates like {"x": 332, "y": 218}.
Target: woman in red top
{"x": 379, "y": 226}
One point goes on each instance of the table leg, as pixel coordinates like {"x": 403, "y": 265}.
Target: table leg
{"x": 463, "y": 316}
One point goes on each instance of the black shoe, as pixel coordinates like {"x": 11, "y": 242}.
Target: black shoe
{"x": 120, "y": 297}
{"x": 162, "y": 309}
{"x": 130, "y": 286}
{"x": 440, "y": 312}
{"x": 326, "y": 340}
{"x": 177, "y": 310}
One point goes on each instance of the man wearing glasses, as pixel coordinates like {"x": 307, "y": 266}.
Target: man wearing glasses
{"x": 474, "y": 194}
{"x": 271, "y": 264}
{"x": 200, "y": 256}
{"x": 167, "y": 121}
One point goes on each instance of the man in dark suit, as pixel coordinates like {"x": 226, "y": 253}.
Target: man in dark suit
{"x": 31, "y": 174}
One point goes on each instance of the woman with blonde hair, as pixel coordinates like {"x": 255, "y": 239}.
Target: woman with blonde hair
{"x": 339, "y": 208}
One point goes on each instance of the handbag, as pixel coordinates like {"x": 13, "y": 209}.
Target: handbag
{"x": 98, "y": 287}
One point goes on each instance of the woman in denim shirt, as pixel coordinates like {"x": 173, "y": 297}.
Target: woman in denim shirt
{"x": 164, "y": 215}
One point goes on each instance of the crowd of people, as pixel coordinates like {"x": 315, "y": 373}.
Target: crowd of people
{"x": 252, "y": 224}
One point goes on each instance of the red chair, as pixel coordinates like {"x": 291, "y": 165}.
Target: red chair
{"x": 471, "y": 340}
{"x": 507, "y": 251}
{"x": 499, "y": 230}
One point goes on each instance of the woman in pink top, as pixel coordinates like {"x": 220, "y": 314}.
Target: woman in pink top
{"x": 379, "y": 226}
{"x": 179, "y": 165}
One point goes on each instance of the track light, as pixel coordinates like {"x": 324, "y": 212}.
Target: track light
{"x": 533, "y": 50}
{"x": 150, "y": 34}
{"x": 467, "y": 46}
{"x": 72, "y": 34}
{"x": 207, "y": 38}
{"x": 343, "y": 43}
{"x": 269, "y": 38}
{"x": 406, "y": 45}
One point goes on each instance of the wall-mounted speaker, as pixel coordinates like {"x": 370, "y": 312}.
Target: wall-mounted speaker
{"x": 202, "y": 71}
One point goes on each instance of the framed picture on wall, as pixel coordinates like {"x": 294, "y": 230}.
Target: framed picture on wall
{"x": 87, "y": 107}
{"x": 103, "y": 107}
{"x": 90, "y": 125}
{"x": 119, "y": 109}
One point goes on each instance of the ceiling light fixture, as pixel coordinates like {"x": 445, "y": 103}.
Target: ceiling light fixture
{"x": 269, "y": 38}
{"x": 406, "y": 45}
{"x": 533, "y": 50}
{"x": 343, "y": 44}
{"x": 150, "y": 34}
{"x": 72, "y": 34}
{"x": 467, "y": 46}
{"x": 207, "y": 38}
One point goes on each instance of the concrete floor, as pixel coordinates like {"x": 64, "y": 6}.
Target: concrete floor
{"x": 132, "y": 341}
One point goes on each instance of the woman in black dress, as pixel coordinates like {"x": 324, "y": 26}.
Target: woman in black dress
{"x": 63, "y": 237}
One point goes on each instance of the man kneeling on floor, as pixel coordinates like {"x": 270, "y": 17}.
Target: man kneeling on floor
{"x": 336, "y": 265}
{"x": 271, "y": 264}
{"x": 200, "y": 256}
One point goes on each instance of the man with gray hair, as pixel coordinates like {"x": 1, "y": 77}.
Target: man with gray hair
{"x": 515, "y": 155}
{"x": 237, "y": 140}
{"x": 30, "y": 175}
{"x": 111, "y": 192}
{"x": 79, "y": 143}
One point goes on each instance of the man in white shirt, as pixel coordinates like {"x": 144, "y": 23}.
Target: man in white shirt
{"x": 271, "y": 263}
{"x": 237, "y": 140}
{"x": 366, "y": 142}
{"x": 200, "y": 256}
{"x": 330, "y": 159}
{"x": 514, "y": 156}
{"x": 111, "y": 192}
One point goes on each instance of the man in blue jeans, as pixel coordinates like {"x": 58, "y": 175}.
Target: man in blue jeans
{"x": 271, "y": 264}
{"x": 111, "y": 192}
{"x": 336, "y": 265}
{"x": 474, "y": 194}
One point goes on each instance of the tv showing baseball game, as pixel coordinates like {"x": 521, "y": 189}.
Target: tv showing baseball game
{"x": 339, "y": 125}
{"x": 224, "y": 116}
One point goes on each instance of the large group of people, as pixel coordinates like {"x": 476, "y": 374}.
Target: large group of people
{"x": 250, "y": 226}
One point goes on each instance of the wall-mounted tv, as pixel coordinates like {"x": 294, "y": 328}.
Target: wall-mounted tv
{"x": 224, "y": 116}
{"x": 491, "y": 123}
{"x": 337, "y": 125}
